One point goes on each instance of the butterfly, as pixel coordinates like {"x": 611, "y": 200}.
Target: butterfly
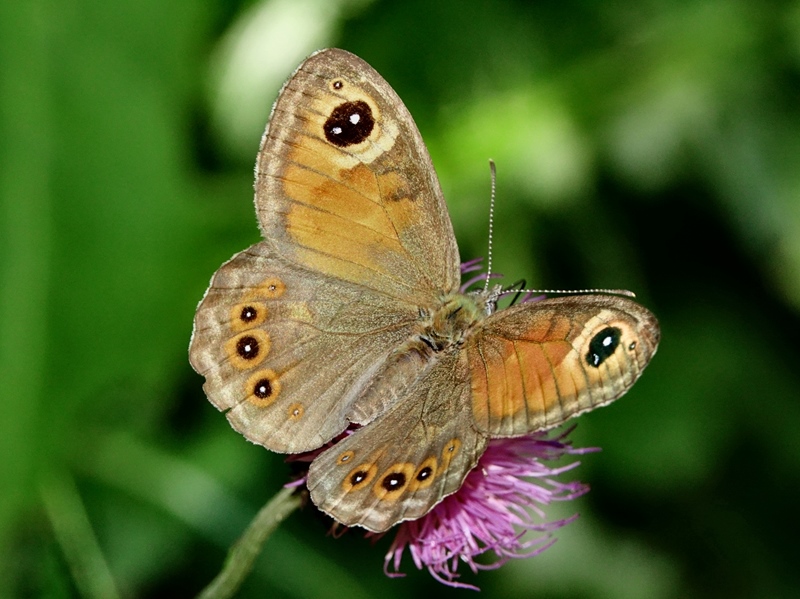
{"x": 349, "y": 313}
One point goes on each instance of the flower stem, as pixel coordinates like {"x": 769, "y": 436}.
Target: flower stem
{"x": 73, "y": 532}
{"x": 244, "y": 552}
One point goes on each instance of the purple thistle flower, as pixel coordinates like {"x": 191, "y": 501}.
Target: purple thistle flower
{"x": 500, "y": 500}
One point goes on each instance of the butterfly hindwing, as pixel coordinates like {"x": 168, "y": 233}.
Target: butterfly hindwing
{"x": 401, "y": 465}
{"x": 285, "y": 353}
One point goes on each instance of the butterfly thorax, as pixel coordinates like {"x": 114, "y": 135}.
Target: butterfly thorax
{"x": 450, "y": 323}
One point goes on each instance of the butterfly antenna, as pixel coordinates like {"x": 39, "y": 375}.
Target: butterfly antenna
{"x": 496, "y": 294}
{"x": 622, "y": 292}
{"x": 493, "y": 171}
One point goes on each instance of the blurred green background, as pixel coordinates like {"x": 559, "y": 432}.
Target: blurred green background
{"x": 649, "y": 145}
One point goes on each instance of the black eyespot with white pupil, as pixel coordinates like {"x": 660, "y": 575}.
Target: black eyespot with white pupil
{"x": 424, "y": 473}
{"x": 349, "y": 123}
{"x": 394, "y": 481}
{"x": 262, "y": 389}
{"x": 248, "y": 314}
{"x": 602, "y": 345}
{"x": 358, "y": 477}
{"x": 247, "y": 347}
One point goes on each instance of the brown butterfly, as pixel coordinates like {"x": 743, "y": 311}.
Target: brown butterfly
{"x": 349, "y": 312}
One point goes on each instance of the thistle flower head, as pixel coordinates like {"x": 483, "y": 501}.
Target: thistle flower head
{"x": 501, "y": 501}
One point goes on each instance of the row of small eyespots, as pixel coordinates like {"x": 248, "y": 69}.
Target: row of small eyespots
{"x": 399, "y": 477}
{"x": 250, "y": 347}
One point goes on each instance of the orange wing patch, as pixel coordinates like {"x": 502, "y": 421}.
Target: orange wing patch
{"x": 516, "y": 384}
{"x": 349, "y": 211}
{"x": 351, "y": 202}
{"x": 344, "y": 185}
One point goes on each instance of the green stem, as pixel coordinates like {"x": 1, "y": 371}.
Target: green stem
{"x": 245, "y": 551}
{"x": 73, "y": 531}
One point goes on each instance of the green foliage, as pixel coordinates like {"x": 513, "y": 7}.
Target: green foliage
{"x": 653, "y": 146}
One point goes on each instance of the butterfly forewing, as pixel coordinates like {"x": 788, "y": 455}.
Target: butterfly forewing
{"x": 537, "y": 364}
{"x": 345, "y": 186}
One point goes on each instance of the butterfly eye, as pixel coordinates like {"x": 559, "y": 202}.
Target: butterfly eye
{"x": 602, "y": 345}
{"x": 349, "y": 123}
{"x": 337, "y": 84}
